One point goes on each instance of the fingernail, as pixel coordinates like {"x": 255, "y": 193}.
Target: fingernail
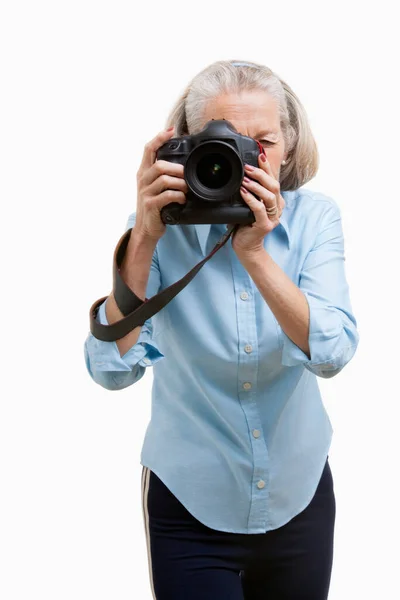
{"x": 170, "y": 128}
{"x": 263, "y": 157}
{"x": 249, "y": 167}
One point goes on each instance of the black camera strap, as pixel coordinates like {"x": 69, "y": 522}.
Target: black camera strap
{"x": 135, "y": 310}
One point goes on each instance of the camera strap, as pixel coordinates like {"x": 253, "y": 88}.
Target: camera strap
{"x": 135, "y": 310}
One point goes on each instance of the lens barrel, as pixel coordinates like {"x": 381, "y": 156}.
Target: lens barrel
{"x": 214, "y": 170}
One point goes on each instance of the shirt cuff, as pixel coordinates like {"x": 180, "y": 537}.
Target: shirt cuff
{"x": 107, "y": 357}
{"x": 331, "y": 343}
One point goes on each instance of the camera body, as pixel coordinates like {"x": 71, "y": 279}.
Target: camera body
{"x": 213, "y": 162}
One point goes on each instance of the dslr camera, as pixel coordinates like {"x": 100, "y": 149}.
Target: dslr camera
{"x": 213, "y": 162}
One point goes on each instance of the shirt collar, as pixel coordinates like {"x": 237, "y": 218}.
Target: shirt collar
{"x": 203, "y": 230}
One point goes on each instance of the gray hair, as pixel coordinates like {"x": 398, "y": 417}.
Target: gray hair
{"x": 225, "y": 77}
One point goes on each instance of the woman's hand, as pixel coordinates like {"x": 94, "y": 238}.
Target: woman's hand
{"x": 159, "y": 182}
{"x": 249, "y": 239}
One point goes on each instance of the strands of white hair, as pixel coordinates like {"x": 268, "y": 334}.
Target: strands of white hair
{"x": 225, "y": 77}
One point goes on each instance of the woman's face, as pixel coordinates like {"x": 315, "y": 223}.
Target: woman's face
{"x": 255, "y": 114}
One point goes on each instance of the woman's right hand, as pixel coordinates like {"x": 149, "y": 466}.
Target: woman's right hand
{"x": 159, "y": 182}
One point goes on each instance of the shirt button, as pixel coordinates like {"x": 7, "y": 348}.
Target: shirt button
{"x": 244, "y": 295}
{"x": 256, "y": 433}
{"x": 261, "y": 484}
{"x": 248, "y": 348}
{"x": 247, "y": 385}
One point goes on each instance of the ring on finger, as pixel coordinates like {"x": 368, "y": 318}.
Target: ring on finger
{"x": 272, "y": 211}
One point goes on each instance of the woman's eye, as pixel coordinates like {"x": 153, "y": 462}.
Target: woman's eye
{"x": 266, "y": 142}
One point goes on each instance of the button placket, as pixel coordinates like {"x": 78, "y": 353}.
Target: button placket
{"x": 247, "y": 378}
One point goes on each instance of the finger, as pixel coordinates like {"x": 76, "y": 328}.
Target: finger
{"x": 150, "y": 149}
{"x": 166, "y": 182}
{"x": 257, "y": 206}
{"x": 168, "y": 196}
{"x": 161, "y": 167}
{"x": 264, "y": 164}
{"x": 263, "y": 178}
{"x": 268, "y": 197}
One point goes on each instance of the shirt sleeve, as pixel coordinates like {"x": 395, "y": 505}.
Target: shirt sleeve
{"x": 103, "y": 360}
{"x": 333, "y": 335}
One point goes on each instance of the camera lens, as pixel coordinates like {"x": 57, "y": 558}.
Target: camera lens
{"x": 214, "y": 171}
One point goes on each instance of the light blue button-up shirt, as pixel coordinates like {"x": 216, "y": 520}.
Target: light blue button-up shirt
{"x": 238, "y": 429}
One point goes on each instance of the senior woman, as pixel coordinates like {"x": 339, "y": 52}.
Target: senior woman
{"x": 237, "y": 491}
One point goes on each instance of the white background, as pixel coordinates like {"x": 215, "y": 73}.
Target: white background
{"x": 85, "y": 85}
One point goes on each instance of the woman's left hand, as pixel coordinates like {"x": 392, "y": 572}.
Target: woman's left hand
{"x": 249, "y": 239}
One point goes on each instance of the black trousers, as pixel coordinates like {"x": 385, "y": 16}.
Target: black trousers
{"x": 190, "y": 561}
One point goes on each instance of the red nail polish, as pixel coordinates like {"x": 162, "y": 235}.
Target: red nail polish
{"x": 263, "y": 158}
